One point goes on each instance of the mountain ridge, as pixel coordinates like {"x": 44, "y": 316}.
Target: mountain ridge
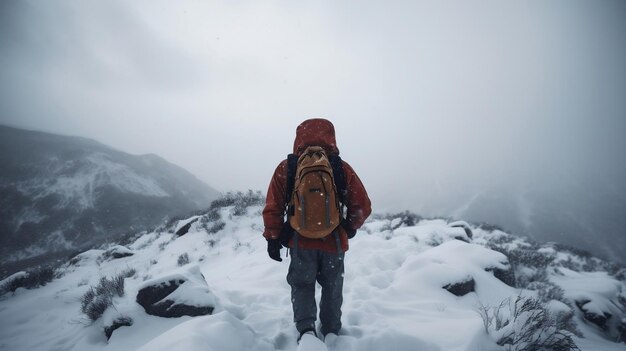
{"x": 63, "y": 193}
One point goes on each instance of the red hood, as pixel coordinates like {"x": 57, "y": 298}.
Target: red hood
{"x": 315, "y": 132}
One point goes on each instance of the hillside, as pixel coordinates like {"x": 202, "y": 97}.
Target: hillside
{"x": 410, "y": 284}
{"x": 60, "y": 194}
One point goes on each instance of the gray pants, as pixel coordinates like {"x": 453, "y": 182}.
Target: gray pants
{"x": 307, "y": 267}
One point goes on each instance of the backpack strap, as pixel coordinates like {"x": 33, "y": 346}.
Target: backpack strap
{"x": 340, "y": 181}
{"x": 292, "y": 164}
{"x": 339, "y": 176}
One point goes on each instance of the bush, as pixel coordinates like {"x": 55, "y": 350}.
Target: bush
{"x": 573, "y": 250}
{"x": 33, "y": 278}
{"x": 216, "y": 227}
{"x": 528, "y": 256}
{"x": 97, "y": 299}
{"x": 547, "y": 291}
{"x": 525, "y": 325}
{"x": 241, "y": 201}
{"x": 525, "y": 278}
{"x": 592, "y": 264}
{"x": 525, "y": 257}
{"x": 407, "y": 218}
{"x": 488, "y": 227}
{"x": 500, "y": 240}
{"x": 183, "y": 259}
{"x": 211, "y": 222}
{"x": 129, "y": 272}
{"x": 212, "y": 216}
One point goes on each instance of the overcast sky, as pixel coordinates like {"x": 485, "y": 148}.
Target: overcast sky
{"x": 429, "y": 98}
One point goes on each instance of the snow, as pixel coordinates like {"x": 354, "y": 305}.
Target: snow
{"x": 310, "y": 342}
{"x": 193, "y": 292}
{"x": 555, "y": 307}
{"x": 596, "y": 287}
{"x": 463, "y": 224}
{"x": 393, "y": 295}
{"x": 220, "y": 332}
{"x": 79, "y": 188}
{"x": 432, "y": 232}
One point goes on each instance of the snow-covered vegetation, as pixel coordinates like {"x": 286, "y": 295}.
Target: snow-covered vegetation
{"x": 205, "y": 282}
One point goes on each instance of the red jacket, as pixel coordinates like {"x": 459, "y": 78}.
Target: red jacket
{"x": 315, "y": 132}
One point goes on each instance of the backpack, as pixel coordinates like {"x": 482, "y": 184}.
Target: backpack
{"x": 315, "y": 192}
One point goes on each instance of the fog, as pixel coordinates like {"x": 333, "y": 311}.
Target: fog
{"x": 435, "y": 103}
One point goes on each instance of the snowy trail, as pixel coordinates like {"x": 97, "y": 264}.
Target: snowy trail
{"x": 393, "y": 296}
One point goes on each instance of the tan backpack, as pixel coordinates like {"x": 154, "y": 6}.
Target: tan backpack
{"x": 314, "y": 205}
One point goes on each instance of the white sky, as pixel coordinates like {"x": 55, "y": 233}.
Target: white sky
{"x": 432, "y": 100}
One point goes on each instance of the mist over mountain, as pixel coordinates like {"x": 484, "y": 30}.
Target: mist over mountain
{"x": 59, "y": 194}
{"x": 586, "y": 213}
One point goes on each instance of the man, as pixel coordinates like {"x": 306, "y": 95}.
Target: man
{"x": 320, "y": 259}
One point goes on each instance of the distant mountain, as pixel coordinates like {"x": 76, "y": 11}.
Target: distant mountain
{"x": 60, "y": 194}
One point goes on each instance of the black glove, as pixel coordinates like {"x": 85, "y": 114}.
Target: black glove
{"x": 273, "y": 249}
{"x": 285, "y": 235}
{"x": 346, "y": 226}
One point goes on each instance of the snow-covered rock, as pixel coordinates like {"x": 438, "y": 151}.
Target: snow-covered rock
{"x": 9, "y": 283}
{"x": 182, "y": 227}
{"x": 462, "y": 287}
{"x": 597, "y": 296}
{"x": 116, "y": 324}
{"x": 117, "y": 251}
{"x": 462, "y": 224}
{"x": 434, "y": 232}
{"x": 87, "y": 257}
{"x": 505, "y": 275}
{"x": 183, "y": 293}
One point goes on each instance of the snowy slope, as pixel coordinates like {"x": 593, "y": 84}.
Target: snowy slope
{"x": 393, "y": 295}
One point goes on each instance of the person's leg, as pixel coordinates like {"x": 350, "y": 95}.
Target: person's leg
{"x": 330, "y": 277}
{"x": 301, "y": 278}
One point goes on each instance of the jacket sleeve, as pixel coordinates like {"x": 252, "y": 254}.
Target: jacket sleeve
{"x": 358, "y": 203}
{"x": 274, "y": 211}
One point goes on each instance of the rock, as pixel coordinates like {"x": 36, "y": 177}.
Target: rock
{"x": 621, "y": 329}
{"x": 117, "y": 323}
{"x": 464, "y": 225}
{"x": 598, "y": 319}
{"x": 116, "y": 252}
{"x": 185, "y": 228}
{"x": 154, "y": 300}
{"x": 507, "y": 276}
{"x": 176, "y": 295}
{"x": 461, "y": 288}
{"x": 457, "y": 233}
{"x": 87, "y": 257}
